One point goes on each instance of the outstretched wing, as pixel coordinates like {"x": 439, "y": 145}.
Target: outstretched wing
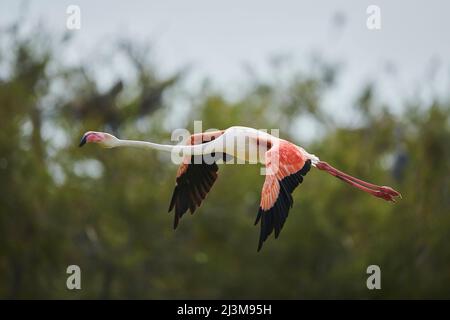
{"x": 286, "y": 167}
{"x": 194, "y": 179}
{"x": 192, "y": 184}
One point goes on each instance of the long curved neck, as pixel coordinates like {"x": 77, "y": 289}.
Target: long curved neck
{"x": 143, "y": 145}
{"x": 192, "y": 150}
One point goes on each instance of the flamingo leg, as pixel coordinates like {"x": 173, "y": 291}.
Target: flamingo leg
{"x": 384, "y": 192}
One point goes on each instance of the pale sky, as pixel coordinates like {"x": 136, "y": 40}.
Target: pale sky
{"x": 218, "y": 37}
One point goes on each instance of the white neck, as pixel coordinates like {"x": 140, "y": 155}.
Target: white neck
{"x": 194, "y": 150}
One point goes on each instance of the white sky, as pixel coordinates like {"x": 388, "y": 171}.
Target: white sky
{"x": 217, "y": 37}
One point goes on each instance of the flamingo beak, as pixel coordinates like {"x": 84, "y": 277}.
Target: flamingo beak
{"x": 83, "y": 140}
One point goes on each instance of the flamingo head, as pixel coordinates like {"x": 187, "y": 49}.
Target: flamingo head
{"x": 104, "y": 139}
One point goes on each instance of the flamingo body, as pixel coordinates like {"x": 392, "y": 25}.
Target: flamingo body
{"x": 286, "y": 165}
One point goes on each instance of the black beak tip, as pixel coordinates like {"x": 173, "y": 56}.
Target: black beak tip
{"x": 82, "y": 142}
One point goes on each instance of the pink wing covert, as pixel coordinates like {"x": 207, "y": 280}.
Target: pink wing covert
{"x": 285, "y": 168}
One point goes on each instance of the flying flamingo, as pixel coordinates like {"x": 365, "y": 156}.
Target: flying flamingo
{"x": 286, "y": 165}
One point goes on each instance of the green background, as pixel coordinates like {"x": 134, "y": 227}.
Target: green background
{"x": 106, "y": 210}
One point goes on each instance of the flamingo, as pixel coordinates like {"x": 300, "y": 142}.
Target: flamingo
{"x": 286, "y": 165}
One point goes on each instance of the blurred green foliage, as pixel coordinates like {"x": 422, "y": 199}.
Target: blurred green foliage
{"x": 106, "y": 210}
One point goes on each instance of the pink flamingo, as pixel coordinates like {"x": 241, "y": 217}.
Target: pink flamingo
{"x": 285, "y": 162}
